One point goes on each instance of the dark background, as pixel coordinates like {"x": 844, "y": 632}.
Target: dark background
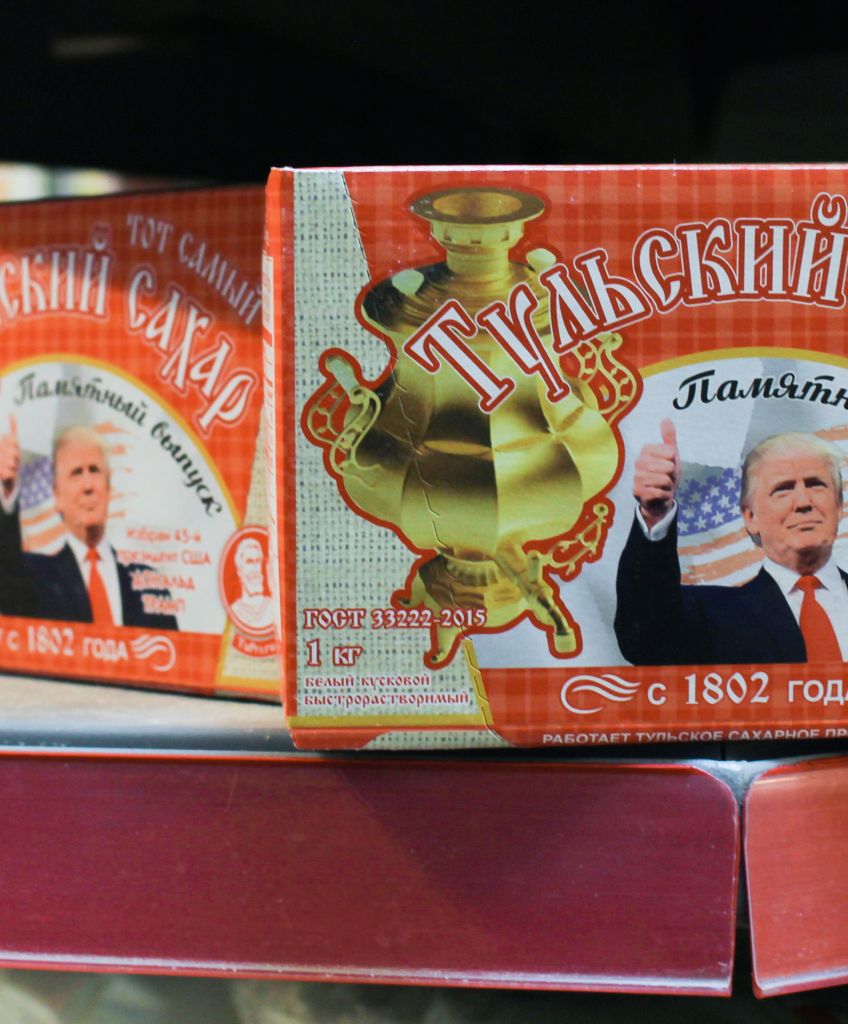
{"x": 221, "y": 91}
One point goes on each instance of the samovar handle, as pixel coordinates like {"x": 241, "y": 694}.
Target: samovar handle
{"x": 343, "y": 369}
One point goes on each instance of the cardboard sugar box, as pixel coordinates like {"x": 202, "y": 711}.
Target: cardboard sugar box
{"x": 132, "y": 501}
{"x": 557, "y": 453}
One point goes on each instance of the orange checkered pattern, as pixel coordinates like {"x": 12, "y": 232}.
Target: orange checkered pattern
{"x": 162, "y": 231}
{"x": 586, "y": 208}
{"x": 609, "y": 208}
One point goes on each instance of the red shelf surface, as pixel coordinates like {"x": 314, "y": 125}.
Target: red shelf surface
{"x": 797, "y": 854}
{"x": 462, "y": 871}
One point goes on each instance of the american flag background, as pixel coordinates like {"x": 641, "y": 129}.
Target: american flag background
{"x": 42, "y": 528}
{"x": 713, "y": 545}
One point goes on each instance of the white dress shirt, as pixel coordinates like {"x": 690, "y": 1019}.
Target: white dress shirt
{"x": 659, "y": 531}
{"x": 107, "y": 566}
{"x": 832, "y": 595}
{"x": 8, "y": 501}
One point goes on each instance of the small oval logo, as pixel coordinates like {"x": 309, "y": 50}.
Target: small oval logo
{"x": 244, "y": 582}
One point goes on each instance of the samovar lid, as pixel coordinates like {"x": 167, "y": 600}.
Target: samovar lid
{"x": 476, "y": 206}
{"x": 476, "y": 226}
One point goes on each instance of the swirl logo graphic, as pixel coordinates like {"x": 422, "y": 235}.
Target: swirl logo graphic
{"x": 608, "y": 687}
{"x": 155, "y": 646}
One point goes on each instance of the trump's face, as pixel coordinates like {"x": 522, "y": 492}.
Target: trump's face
{"x": 81, "y": 489}
{"x": 795, "y": 509}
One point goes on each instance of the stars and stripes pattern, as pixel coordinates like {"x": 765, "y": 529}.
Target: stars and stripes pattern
{"x": 41, "y": 526}
{"x": 713, "y": 544}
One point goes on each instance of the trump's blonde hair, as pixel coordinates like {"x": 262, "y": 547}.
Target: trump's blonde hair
{"x": 79, "y": 435}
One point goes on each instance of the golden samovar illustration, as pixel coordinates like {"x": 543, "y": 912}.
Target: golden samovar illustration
{"x": 494, "y": 503}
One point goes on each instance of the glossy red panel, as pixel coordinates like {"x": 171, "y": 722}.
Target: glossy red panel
{"x": 465, "y": 872}
{"x": 797, "y": 860}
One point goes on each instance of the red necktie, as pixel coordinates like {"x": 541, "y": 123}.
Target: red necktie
{"x": 816, "y": 628}
{"x": 101, "y": 611}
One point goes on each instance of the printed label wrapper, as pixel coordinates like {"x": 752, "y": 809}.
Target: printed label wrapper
{"x": 133, "y": 538}
{"x": 555, "y": 453}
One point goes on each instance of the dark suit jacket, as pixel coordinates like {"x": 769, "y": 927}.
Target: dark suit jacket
{"x": 659, "y": 621}
{"x": 52, "y": 587}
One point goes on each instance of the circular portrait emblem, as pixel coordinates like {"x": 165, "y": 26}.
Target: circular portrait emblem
{"x": 244, "y": 581}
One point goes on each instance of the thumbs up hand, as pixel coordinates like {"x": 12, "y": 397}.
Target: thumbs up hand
{"x": 10, "y": 457}
{"x": 657, "y": 475}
